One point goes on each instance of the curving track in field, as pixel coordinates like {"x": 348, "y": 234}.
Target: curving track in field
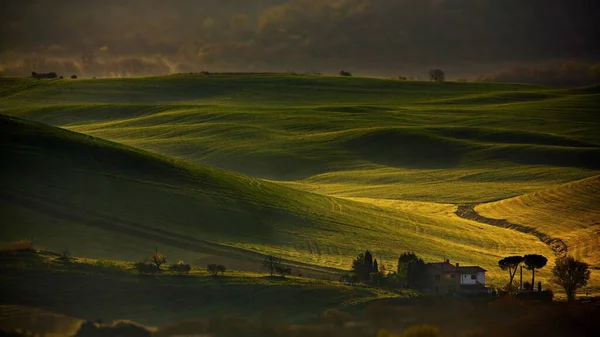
{"x": 468, "y": 212}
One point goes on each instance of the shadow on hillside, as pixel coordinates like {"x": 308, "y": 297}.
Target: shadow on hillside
{"x": 586, "y": 158}
{"x": 407, "y": 149}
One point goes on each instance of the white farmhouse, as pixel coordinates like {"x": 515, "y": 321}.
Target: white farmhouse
{"x": 472, "y": 276}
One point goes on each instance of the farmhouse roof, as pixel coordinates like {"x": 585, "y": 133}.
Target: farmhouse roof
{"x": 448, "y": 267}
{"x": 471, "y": 269}
{"x": 444, "y": 266}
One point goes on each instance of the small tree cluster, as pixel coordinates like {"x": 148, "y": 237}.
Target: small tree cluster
{"x": 151, "y": 266}
{"x": 530, "y": 261}
{"x": 145, "y": 267}
{"x": 345, "y": 73}
{"x": 215, "y": 269}
{"x": 180, "y": 268}
{"x": 43, "y": 75}
{"x": 366, "y": 268}
{"x": 411, "y": 269}
{"x": 362, "y": 266}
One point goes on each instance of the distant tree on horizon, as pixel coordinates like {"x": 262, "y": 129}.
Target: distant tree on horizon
{"x": 437, "y": 75}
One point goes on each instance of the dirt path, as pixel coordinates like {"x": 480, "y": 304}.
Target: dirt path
{"x": 468, "y": 212}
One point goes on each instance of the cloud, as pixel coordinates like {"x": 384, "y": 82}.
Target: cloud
{"x": 364, "y": 36}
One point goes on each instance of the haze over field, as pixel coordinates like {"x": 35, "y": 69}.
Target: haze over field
{"x": 370, "y": 37}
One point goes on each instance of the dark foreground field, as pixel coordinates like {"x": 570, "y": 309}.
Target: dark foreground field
{"x": 38, "y": 285}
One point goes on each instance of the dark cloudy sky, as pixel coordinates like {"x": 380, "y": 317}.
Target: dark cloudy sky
{"x": 370, "y": 37}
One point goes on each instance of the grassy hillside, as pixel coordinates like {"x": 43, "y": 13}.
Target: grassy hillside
{"x": 354, "y": 137}
{"x": 105, "y": 200}
{"x": 570, "y": 212}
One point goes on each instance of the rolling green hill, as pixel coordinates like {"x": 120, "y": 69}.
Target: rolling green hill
{"x": 314, "y": 169}
{"x": 102, "y": 199}
{"x": 354, "y": 137}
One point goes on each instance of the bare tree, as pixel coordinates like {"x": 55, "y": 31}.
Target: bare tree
{"x": 270, "y": 262}
{"x": 437, "y": 75}
{"x": 158, "y": 258}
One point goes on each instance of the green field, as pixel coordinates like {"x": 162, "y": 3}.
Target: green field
{"x": 313, "y": 169}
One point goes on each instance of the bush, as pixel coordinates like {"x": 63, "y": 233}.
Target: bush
{"x": 146, "y": 268}
{"x": 74, "y": 77}
{"x": 180, "y": 268}
{"x": 283, "y": 270}
{"x": 215, "y": 269}
{"x": 545, "y": 295}
{"x": 65, "y": 256}
{"x": 375, "y": 278}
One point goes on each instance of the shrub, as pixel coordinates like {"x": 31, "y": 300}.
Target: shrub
{"x": 283, "y": 270}
{"x": 375, "y": 278}
{"x": 180, "y": 268}
{"x": 146, "y": 268}
{"x": 74, "y": 77}
{"x": 215, "y": 269}
{"x": 65, "y": 256}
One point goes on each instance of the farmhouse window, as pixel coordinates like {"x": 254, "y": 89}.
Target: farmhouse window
{"x": 473, "y": 277}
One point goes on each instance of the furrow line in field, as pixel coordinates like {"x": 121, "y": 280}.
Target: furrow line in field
{"x": 468, "y": 212}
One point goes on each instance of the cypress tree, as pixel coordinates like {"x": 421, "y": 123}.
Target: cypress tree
{"x": 375, "y": 267}
{"x": 368, "y": 262}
